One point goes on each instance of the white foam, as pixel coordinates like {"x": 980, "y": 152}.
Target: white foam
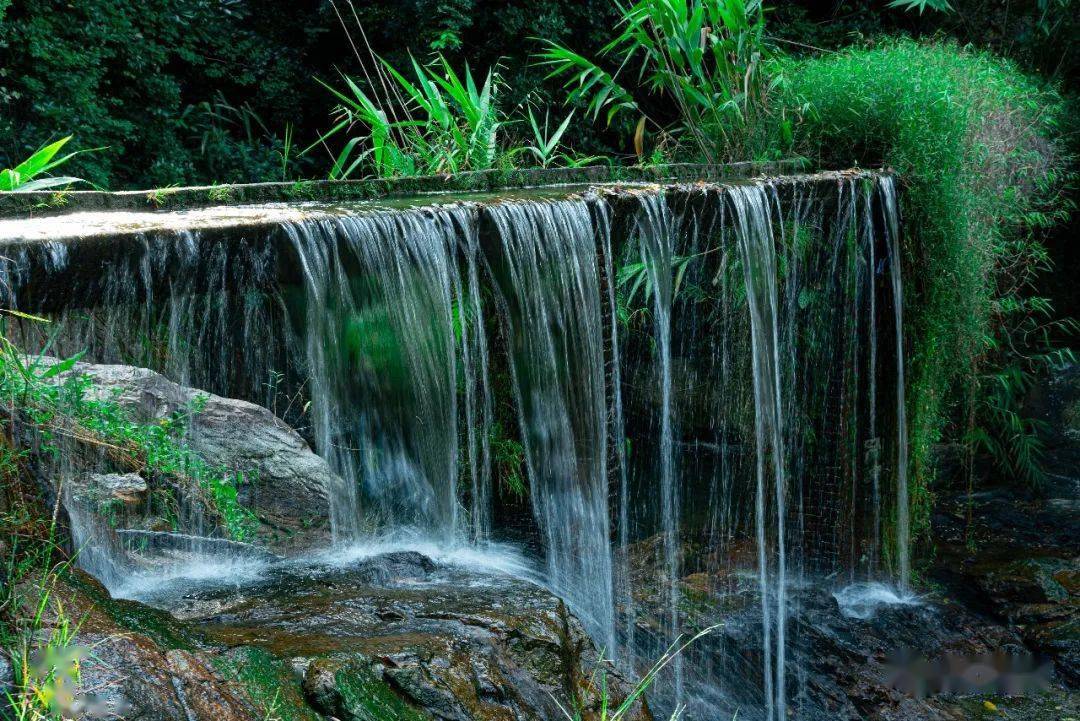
{"x": 88, "y": 224}
{"x": 497, "y": 558}
{"x": 197, "y": 570}
{"x": 862, "y": 600}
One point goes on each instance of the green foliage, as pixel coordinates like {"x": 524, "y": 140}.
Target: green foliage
{"x": 546, "y": 142}
{"x": 971, "y": 139}
{"x": 508, "y": 461}
{"x": 23, "y": 177}
{"x": 702, "y": 57}
{"x": 436, "y": 122}
{"x": 922, "y": 5}
{"x": 58, "y": 404}
{"x": 633, "y": 278}
{"x": 137, "y": 77}
{"x": 36, "y": 632}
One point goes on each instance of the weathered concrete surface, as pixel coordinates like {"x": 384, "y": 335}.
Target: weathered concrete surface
{"x": 52, "y": 203}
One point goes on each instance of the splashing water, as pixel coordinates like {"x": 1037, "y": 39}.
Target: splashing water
{"x": 862, "y": 600}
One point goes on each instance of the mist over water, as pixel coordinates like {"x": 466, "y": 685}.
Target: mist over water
{"x": 695, "y": 377}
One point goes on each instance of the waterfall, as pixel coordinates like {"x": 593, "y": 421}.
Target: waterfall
{"x": 391, "y": 326}
{"x": 874, "y": 450}
{"x": 753, "y": 228}
{"x": 656, "y": 237}
{"x": 546, "y": 269}
{"x": 887, "y": 189}
{"x": 698, "y": 451}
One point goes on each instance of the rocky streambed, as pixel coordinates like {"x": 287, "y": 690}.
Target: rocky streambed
{"x": 283, "y": 629}
{"x": 391, "y": 637}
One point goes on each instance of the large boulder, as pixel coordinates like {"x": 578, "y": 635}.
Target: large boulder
{"x": 282, "y": 480}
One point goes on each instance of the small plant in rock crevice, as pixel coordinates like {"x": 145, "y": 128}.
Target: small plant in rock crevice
{"x": 55, "y": 400}
{"x": 608, "y": 710}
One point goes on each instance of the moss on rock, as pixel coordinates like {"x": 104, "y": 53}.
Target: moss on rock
{"x": 348, "y": 689}
{"x": 267, "y": 682}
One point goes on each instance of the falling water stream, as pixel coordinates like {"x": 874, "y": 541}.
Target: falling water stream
{"x": 887, "y": 188}
{"x": 754, "y": 230}
{"x": 549, "y": 287}
{"x": 655, "y": 232}
{"x": 721, "y": 425}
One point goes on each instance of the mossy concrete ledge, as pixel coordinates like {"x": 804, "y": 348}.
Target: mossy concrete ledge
{"x": 41, "y": 203}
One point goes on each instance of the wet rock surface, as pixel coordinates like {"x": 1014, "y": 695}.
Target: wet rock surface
{"x": 884, "y": 657}
{"x": 1016, "y": 559}
{"x": 452, "y": 643}
{"x": 128, "y": 489}
{"x": 7, "y": 676}
{"x": 395, "y": 637}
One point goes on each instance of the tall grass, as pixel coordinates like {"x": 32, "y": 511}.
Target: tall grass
{"x": 973, "y": 142}
{"x": 37, "y": 635}
{"x": 609, "y": 711}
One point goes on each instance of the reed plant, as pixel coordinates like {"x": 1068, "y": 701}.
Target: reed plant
{"x": 429, "y": 120}
{"x": 704, "y": 58}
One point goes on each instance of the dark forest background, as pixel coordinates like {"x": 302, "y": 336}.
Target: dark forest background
{"x": 202, "y": 91}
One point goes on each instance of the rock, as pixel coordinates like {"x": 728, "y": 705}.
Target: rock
{"x": 1017, "y": 561}
{"x": 350, "y": 690}
{"x": 1056, "y": 402}
{"x": 400, "y": 565}
{"x": 391, "y": 638}
{"x": 284, "y": 482}
{"x": 7, "y": 682}
{"x": 397, "y": 635}
{"x": 176, "y": 544}
{"x": 1027, "y": 581}
{"x": 128, "y": 489}
{"x": 843, "y": 666}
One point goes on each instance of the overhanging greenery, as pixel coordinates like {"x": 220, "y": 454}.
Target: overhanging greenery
{"x": 974, "y": 142}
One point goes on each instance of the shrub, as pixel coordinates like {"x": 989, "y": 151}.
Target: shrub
{"x": 971, "y": 139}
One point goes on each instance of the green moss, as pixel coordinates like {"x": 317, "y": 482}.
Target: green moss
{"x": 267, "y": 682}
{"x": 359, "y": 695}
{"x": 221, "y": 194}
{"x": 1071, "y": 418}
{"x": 160, "y": 197}
{"x": 130, "y": 616}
